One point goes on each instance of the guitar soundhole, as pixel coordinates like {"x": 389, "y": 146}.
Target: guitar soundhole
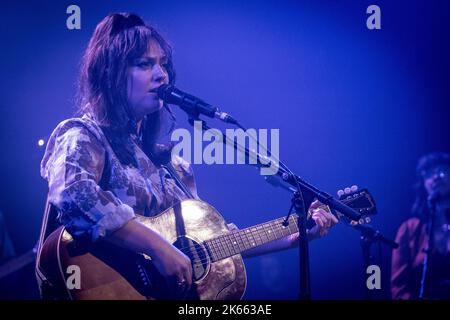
{"x": 197, "y": 253}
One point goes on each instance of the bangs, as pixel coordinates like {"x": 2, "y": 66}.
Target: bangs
{"x": 137, "y": 41}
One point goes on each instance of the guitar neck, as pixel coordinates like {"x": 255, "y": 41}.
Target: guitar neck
{"x": 238, "y": 241}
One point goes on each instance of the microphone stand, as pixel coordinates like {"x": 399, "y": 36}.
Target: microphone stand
{"x": 369, "y": 236}
{"x": 304, "y": 195}
{"x": 426, "y": 261}
{"x": 303, "y": 247}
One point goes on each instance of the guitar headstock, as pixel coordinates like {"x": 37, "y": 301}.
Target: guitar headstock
{"x": 361, "y": 201}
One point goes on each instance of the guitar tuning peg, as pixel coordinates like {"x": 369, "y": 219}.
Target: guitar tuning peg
{"x": 340, "y": 193}
{"x": 347, "y": 190}
{"x": 354, "y": 188}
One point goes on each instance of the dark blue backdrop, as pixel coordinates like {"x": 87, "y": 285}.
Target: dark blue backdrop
{"x": 353, "y": 106}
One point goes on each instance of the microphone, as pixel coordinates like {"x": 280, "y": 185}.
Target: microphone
{"x": 192, "y": 105}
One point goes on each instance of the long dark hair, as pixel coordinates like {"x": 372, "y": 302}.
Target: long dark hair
{"x": 427, "y": 162}
{"x": 119, "y": 39}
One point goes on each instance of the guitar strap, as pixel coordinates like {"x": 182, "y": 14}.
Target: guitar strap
{"x": 179, "y": 221}
{"x": 169, "y": 167}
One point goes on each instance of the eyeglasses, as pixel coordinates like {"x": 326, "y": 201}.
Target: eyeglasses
{"x": 440, "y": 172}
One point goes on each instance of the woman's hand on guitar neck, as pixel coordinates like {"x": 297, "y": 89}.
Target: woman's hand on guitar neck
{"x": 323, "y": 218}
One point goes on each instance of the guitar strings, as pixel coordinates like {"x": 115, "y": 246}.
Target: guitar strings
{"x": 221, "y": 239}
{"x": 188, "y": 249}
{"x": 202, "y": 261}
{"x": 195, "y": 262}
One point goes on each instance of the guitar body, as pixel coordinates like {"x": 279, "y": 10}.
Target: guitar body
{"x": 109, "y": 272}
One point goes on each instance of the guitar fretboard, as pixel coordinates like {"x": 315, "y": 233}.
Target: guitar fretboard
{"x": 238, "y": 241}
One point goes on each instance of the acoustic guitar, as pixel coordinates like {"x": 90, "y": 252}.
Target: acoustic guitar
{"x": 108, "y": 272}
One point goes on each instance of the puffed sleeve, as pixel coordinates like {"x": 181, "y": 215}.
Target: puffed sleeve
{"x": 73, "y": 165}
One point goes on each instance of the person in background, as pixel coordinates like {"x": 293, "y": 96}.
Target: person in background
{"x": 433, "y": 183}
